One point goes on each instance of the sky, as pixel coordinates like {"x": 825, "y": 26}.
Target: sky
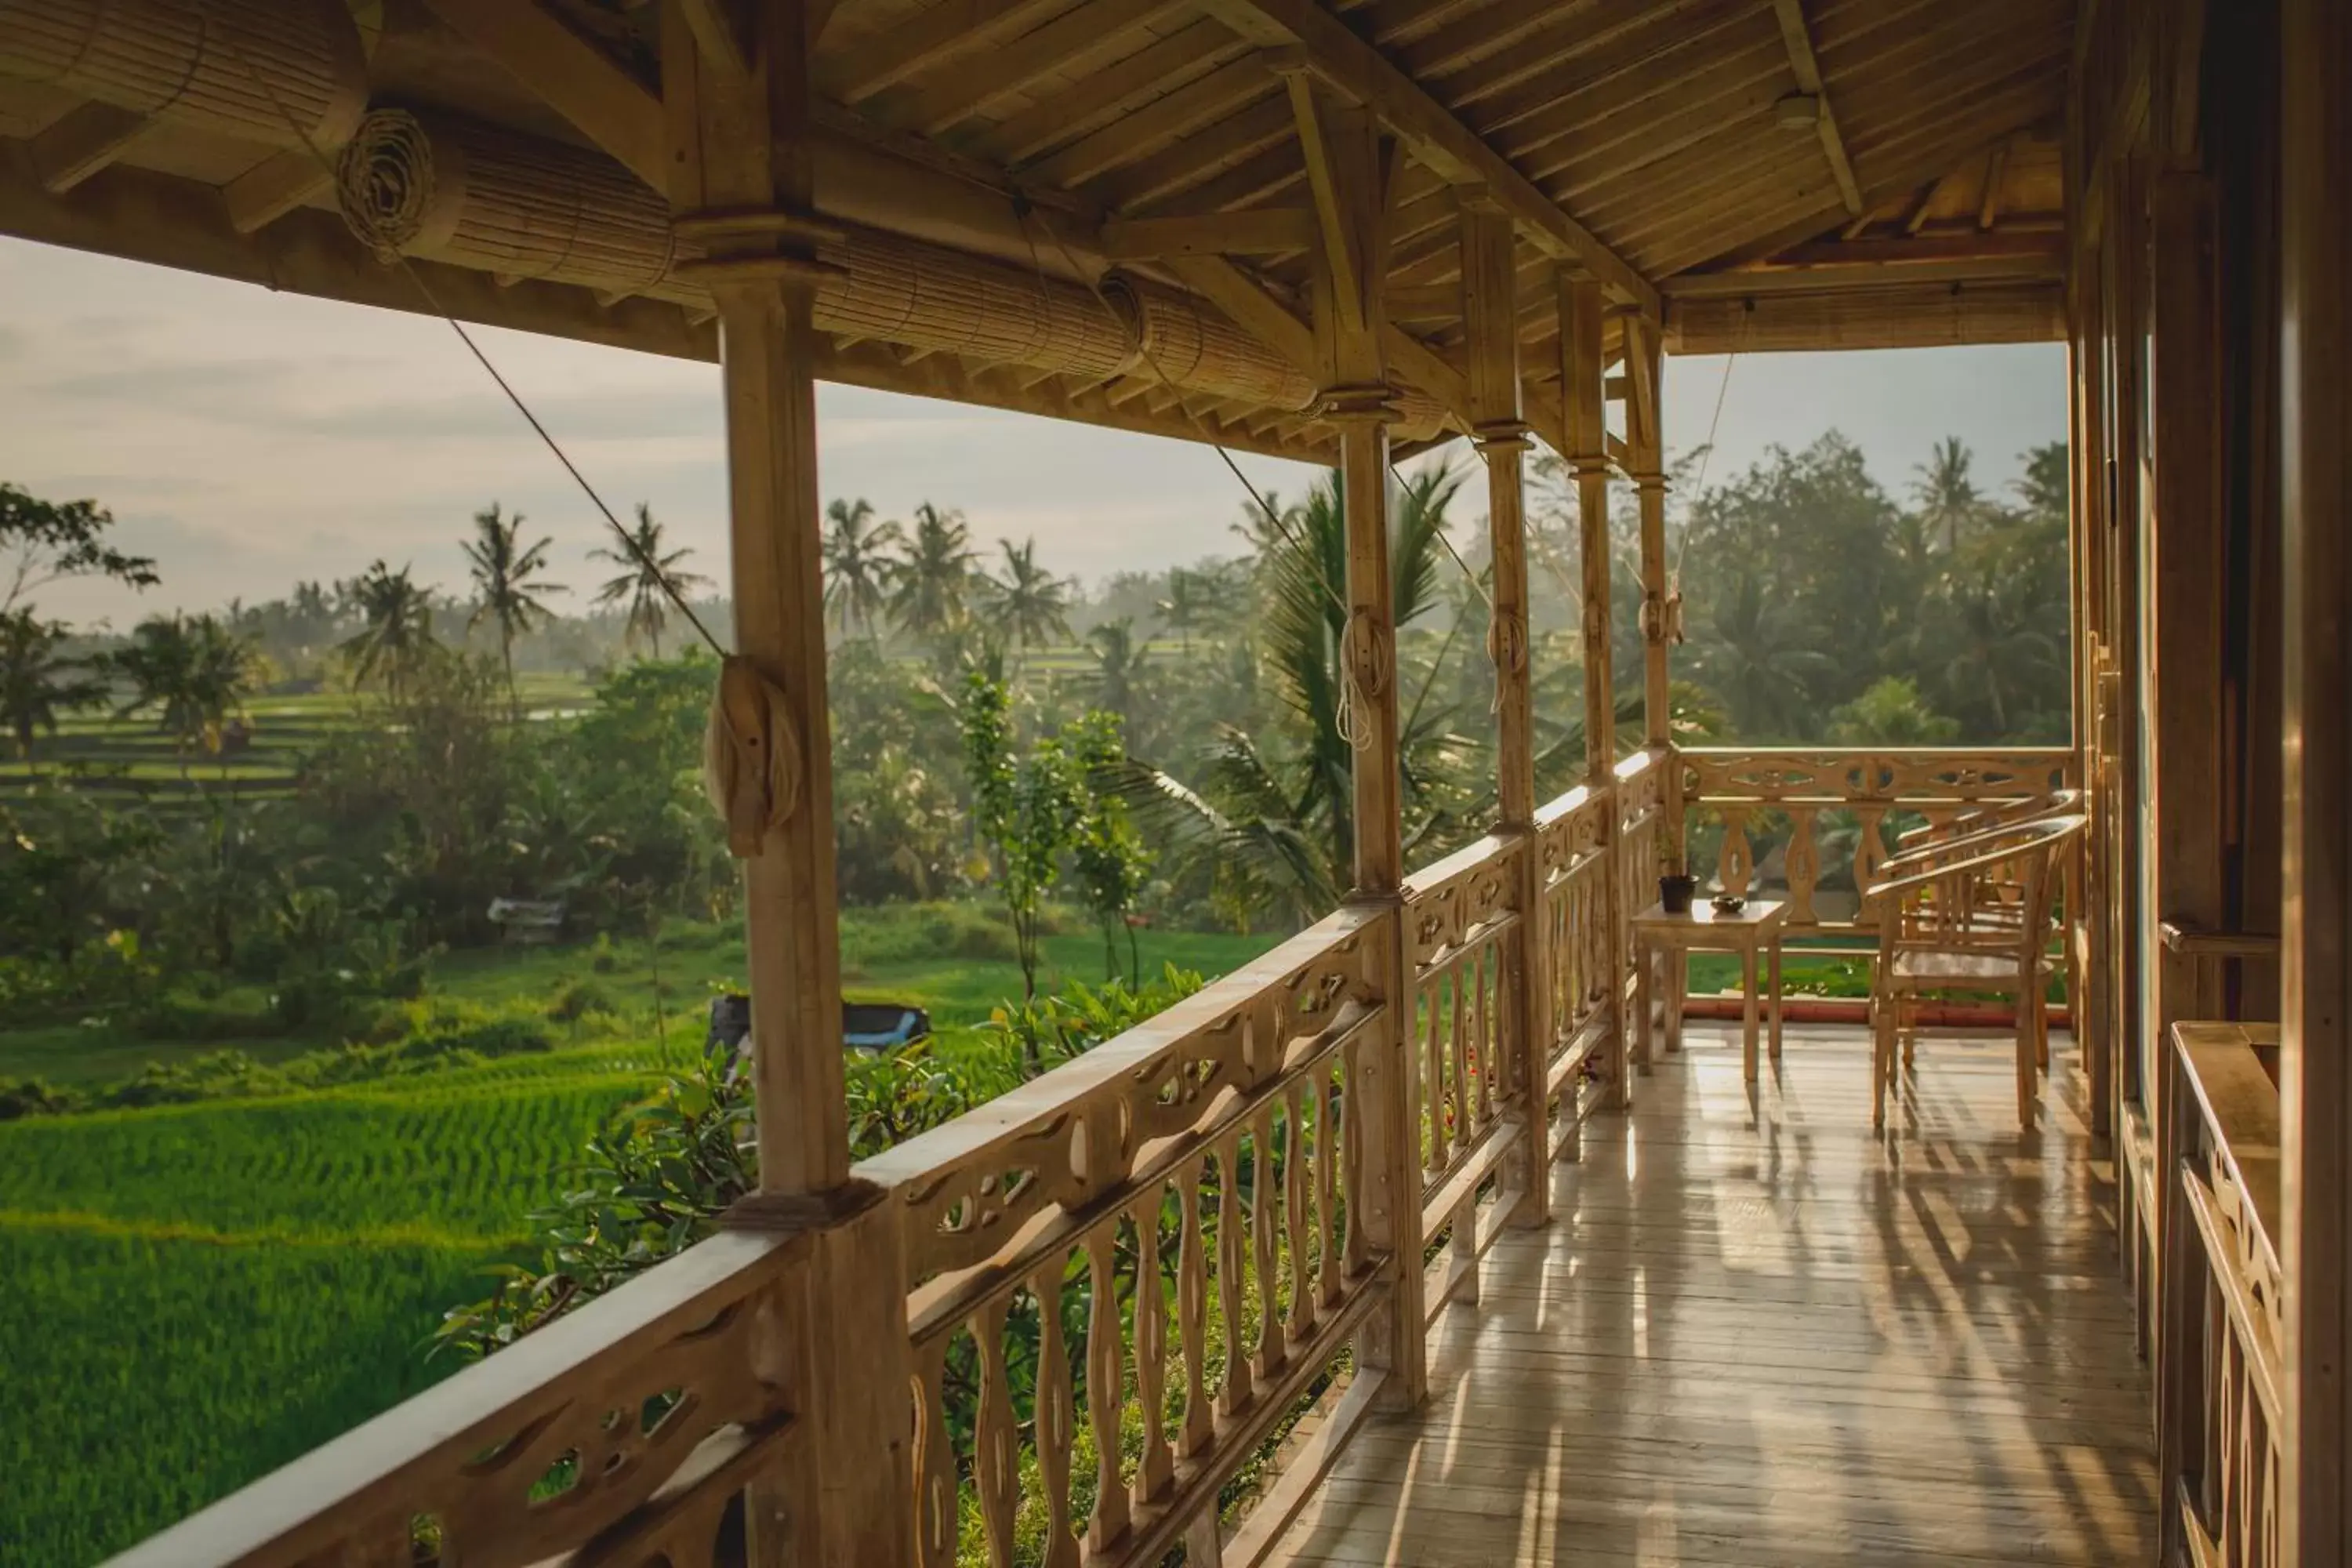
{"x": 247, "y": 439}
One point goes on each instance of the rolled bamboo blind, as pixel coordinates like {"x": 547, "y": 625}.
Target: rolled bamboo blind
{"x": 436, "y": 186}
{"x": 277, "y": 71}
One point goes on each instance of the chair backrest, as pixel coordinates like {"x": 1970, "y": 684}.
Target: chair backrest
{"x": 1936, "y": 890}
{"x": 1983, "y": 818}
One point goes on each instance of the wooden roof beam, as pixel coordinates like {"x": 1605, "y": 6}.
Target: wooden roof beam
{"x": 1800, "y": 39}
{"x": 274, "y": 188}
{"x": 571, "y": 75}
{"x": 1357, "y": 70}
{"x": 83, "y": 141}
{"x": 1274, "y": 230}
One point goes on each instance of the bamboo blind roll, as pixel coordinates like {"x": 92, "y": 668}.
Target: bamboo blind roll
{"x": 516, "y": 206}
{"x": 903, "y": 292}
{"x": 1180, "y": 338}
{"x": 284, "y": 73}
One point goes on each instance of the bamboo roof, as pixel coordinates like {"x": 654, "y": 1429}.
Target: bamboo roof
{"x": 1760, "y": 173}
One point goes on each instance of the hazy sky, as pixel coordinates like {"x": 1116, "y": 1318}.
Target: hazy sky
{"x": 247, "y": 439}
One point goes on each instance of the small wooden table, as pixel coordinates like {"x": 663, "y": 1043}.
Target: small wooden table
{"x": 1753, "y": 931}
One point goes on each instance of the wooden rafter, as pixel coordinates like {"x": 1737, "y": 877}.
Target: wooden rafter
{"x": 1800, "y": 39}
{"x": 1996, "y": 165}
{"x": 1258, "y": 229}
{"x": 83, "y": 141}
{"x": 930, "y": 38}
{"x": 1068, "y": 40}
{"x": 718, "y": 32}
{"x": 1357, "y": 71}
{"x": 571, "y": 75}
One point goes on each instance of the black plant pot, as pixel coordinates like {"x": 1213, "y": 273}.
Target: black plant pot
{"x": 1675, "y": 893}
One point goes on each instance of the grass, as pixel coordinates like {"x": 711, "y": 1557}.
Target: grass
{"x": 199, "y": 1293}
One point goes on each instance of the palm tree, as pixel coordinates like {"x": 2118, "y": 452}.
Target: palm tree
{"x": 37, "y": 682}
{"x": 1276, "y": 820}
{"x": 193, "y": 674}
{"x": 1949, "y": 497}
{"x": 503, "y": 589}
{"x": 932, "y": 585}
{"x": 395, "y": 627}
{"x": 652, "y": 581}
{"x": 1756, "y": 656}
{"x": 1186, "y": 602}
{"x": 1119, "y": 664}
{"x": 859, "y": 563}
{"x": 1028, "y": 601}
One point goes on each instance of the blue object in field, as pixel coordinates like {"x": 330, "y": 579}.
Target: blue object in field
{"x": 865, "y": 1026}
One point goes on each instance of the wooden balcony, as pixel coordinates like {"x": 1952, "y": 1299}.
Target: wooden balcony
{"x": 1754, "y": 1333}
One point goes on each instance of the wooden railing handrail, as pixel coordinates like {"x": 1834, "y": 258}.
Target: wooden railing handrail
{"x": 2190, "y": 940}
{"x": 352, "y": 1499}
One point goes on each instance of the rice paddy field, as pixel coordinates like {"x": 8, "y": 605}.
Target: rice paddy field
{"x": 195, "y": 1294}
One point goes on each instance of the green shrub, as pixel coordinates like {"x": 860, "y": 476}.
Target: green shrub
{"x": 579, "y": 1000}
{"x": 177, "y": 1015}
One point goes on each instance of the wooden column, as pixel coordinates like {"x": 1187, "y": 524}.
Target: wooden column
{"x": 2316, "y": 447}
{"x": 1348, "y": 162}
{"x": 1490, "y": 313}
{"x": 740, "y": 186}
{"x": 1584, "y": 410}
{"x": 1659, "y": 615}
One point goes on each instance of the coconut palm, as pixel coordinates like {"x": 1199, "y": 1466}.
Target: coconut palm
{"x": 1186, "y": 604}
{"x": 38, "y": 681}
{"x": 1027, "y": 601}
{"x": 1273, "y": 814}
{"x": 931, "y": 587}
{"x": 652, "y": 580}
{"x": 395, "y": 631}
{"x": 1119, "y": 666}
{"x": 860, "y": 561}
{"x": 192, "y": 674}
{"x": 1948, "y": 499}
{"x": 504, "y": 590}
{"x": 1756, "y": 656}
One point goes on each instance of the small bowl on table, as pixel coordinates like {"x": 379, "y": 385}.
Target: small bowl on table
{"x": 1728, "y": 903}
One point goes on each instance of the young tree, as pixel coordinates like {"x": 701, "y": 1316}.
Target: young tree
{"x": 1107, "y": 850}
{"x": 1025, "y": 808}
{"x": 395, "y": 634}
{"x": 1119, "y": 667}
{"x": 1949, "y": 501}
{"x": 860, "y": 562}
{"x": 44, "y": 542}
{"x": 505, "y": 588}
{"x": 38, "y": 681}
{"x": 651, "y": 580}
{"x": 1891, "y": 712}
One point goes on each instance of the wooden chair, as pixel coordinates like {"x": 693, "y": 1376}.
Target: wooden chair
{"x": 1972, "y": 914}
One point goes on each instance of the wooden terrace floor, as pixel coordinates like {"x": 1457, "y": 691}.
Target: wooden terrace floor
{"x": 1756, "y": 1334}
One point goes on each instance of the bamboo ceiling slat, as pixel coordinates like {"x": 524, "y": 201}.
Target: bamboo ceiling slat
{"x": 942, "y": 98}
{"x": 1158, "y": 68}
{"x": 1568, "y": 56}
{"x": 1628, "y": 86}
{"x": 1739, "y": 90}
{"x": 1265, "y": 125}
{"x": 1156, "y": 125}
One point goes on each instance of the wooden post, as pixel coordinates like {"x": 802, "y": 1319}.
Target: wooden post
{"x": 740, "y": 187}
{"x": 1349, "y": 164}
{"x": 2315, "y": 403}
{"x": 1584, "y": 409}
{"x": 1490, "y": 313}
{"x": 1659, "y": 615}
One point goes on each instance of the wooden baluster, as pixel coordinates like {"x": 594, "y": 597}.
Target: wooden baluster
{"x": 1869, "y": 855}
{"x": 1198, "y": 1428}
{"x": 935, "y": 1518}
{"x": 1457, "y": 1048}
{"x": 1234, "y": 1397}
{"x": 1056, "y": 1414}
{"x": 1804, "y": 864}
{"x": 996, "y": 1442}
{"x": 1105, "y": 1389}
{"x": 1486, "y": 1021}
{"x": 1328, "y": 1146}
{"x": 1265, "y": 1219}
{"x": 1352, "y": 1157}
{"x": 1294, "y": 1173}
{"x": 1155, "y": 1470}
{"x": 1437, "y": 1139}
{"x": 1737, "y": 861}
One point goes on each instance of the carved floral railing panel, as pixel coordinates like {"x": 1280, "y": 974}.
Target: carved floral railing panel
{"x": 1123, "y": 1270}
{"x": 1463, "y": 943}
{"x": 1823, "y": 809}
{"x": 624, "y": 1431}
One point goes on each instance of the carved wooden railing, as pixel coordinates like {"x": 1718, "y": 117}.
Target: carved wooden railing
{"x": 1765, "y": 799}
{"x": 2219, "y": 1399}
{"x": 1100, "y": 1292}
{"x": 633, "y": 1423}
{"x": 1214, "y": 1160}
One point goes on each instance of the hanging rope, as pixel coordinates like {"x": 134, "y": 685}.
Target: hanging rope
{"x": 388, "y": 251}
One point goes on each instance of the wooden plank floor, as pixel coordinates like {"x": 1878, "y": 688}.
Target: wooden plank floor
{"x": 1756, "y": 1334}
